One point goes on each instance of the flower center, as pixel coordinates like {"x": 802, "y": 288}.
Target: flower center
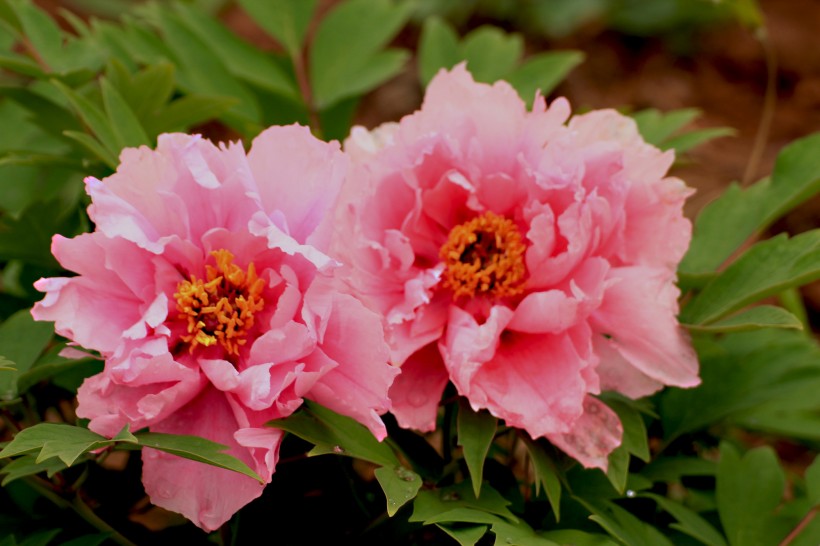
{"x": 220, "y": 308}
{"x": 485, "y": 256}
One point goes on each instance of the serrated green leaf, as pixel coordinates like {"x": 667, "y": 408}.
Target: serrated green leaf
{"x": 475, "y": 434}
{"x": 399, "y": 484}
{"x": 27, "y": 465}
{"x": 767, "y": 268}
{"x": 284, "y": 20}
{"x": 739, "y": 214}
{"x": 491, "y": 53}
{"x": 762, "y": 316}
{"x": 196, "y": 449}
{"x": 689, "y": 522}
{"x": 147, "y": 91}
{"x": 438, "y": 48}
{"x": 127, "y": 129}
{"x": 458, "y": 503}
{"x": 749, "y": 490}
{"x": 622, "y": 525}
{"x": 334, "y": 433}
{"x": 347, "y": 41}
{"x": 546, "y": 474}
{"x": 465, "y": 536}
{"x": 519, "y": 534}
{"x": 543, "y": 72}
{"x": 22, "y": 339}
{"x": 240, "y": 58}
{"x": 48, "y": 440}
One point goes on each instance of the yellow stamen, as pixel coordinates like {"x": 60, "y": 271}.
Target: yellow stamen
{"x": 220, "y": 308}
{"x": 485, "y": 256}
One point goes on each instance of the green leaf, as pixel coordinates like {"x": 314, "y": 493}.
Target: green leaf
{"x": 689, "y": 522}
{"x": 738, "y": 377}
{"x": 40, "y": 30}
{"x": 739, "y": 214}
{"x": 656, "y": 127}
{"x": 65, "y": 442}
{"x": 88, "y": 540}
{"x": 40, "y": 537}
{"x": 687, "y": 141}
{"x": 749, "y": 490}
{"x": 622, "y": 525}
{"x": 196, "y": 449}
{"x": 634, "y": 438}
{"x": 543, "y": 72}
{"x": 475, "y": 434}
{"x": 188, "y": 111}
{"x": 762, "y": 316}
{"x": 438, "y": 48}
{"x": 240, "y": 58}
{"x": 127, "y": 129}
{"x": 546, "y": 474}
{"x": 617, "y": 470}
{"x": 27, "y": 465}
{"x": 52, "y": 364}
{"x": 22, "y": 339}
{"x": 769, "y": 267}
{"x": 465, "y": 536}
{"x": 458, "y": 503}
{"x": 7, "y": 365}
{"x": 92, "y": 116}
{"x": 93, "y": 145}
{"x": 148, "y": 90}
{"x": 399, "y": 485}
{"x": 347, "y": 42}
{"x": 334, "y": 433}
{"x": 813, "y": 481}
{"x": 519, "y": 534}
{"x": 672, "y": 469}
{"x": 491, "y": 53}
{"x": 578, "y": 538}
{"x": 285, "y": 20}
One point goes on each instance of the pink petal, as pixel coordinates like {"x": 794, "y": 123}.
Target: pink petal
{"x": 594, "y": 435}
{"x": 205, "y": 494}
{"x": 637, "y": 315}
{"x": 416, "y": 393}
{"x": 298, "y": 175}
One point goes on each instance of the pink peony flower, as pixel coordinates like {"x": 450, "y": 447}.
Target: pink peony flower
{"x": 530, "y": 262}
{"x": 207, "y": 288}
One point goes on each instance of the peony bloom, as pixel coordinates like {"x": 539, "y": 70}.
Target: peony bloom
{"x": 530, "y": 262}
{"x": 207, "y": 288}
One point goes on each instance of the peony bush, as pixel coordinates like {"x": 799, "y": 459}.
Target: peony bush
{"x": 227, "y": 311}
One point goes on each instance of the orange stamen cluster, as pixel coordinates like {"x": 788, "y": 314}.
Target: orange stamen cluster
{"x": 484, "y": 256}
{"x": 220, "y": 308}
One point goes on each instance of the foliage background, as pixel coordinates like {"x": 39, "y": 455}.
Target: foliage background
{"x": 731, "y": 462}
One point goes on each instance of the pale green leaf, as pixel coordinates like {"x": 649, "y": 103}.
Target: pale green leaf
{"x": 22, "y": 340}
{"x": 127, "y": 129}
{"x": 491, "y": 53}
{"x": 813, "y": 481}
